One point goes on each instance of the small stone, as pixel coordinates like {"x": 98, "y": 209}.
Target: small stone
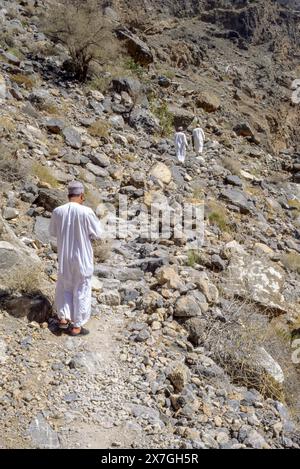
{"x": 72, "y": 137}
{"x": 10, "y": 213}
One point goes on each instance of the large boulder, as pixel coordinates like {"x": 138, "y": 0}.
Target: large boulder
{"x": 239, "y": 199}
{"x": 135, "y": 46}
{"x": 181, "y": 117}
{"x": 208, "y": 101}
{"x": 258, "y": 280}
{"x": 162, "y": 172}
{"x": 51, "y": 199}
{"x": 41, "y": 434}
{"x": 142, "y": 119}
{"x": 243, "y": 129}
{"x": 259, "y": 370}
{"x": 100, "y": 159}
{"x": 132, "y": 86}
{"x": 41, "y": 99}
{"x": 187, "y": 307}
{"x": 270, "y": 366}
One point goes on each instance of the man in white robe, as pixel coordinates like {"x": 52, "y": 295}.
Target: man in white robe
{"x": 198, "y": 139}
{"x": 181, "y": 144}
{"x": 74, "y": 226}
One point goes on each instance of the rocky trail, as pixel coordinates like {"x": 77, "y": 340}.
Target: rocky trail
{"x": 81, "y": 391}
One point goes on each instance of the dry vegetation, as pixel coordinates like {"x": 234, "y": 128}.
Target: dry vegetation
{"x": 194, "y": 258}
{"x": 234, "y": 166}
{"x": 102, "y": 249}
{"x": 92, "y": 197}
{"x": 100, "y": 128}
{"x": 12, "y": 169}
{"x": 83, "y": 29}
{"x": 217, "y": 215}
{"x": 44, "y": 174}
{"x": 25, "y": 280}
{"x": 26, "y": 81}
{"x": 291, "y": 261}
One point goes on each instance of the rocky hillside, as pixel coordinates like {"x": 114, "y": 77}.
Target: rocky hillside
{"x": 191, "y": 346}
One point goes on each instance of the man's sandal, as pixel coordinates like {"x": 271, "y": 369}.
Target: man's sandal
{"x": 63, "y": 326}
{"x": 83, "y": 331}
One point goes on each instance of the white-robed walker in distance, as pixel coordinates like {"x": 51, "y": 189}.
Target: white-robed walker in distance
{"x": 181, "y": 145}
{"x": 198, "y": 139}
{"x": 74, "y": 226}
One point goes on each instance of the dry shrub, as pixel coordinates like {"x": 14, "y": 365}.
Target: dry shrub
{"x": 92, "y": 197}
{"x": 99, "y": 83}
{"x": 295, "y": 207}
{"x": 291, "y": 261}
{"x": 85, "y": 31}
{"x": 102, "y": 249}
{"x": 198, "y": 193}
{"x": 44, "y": 174}
{"x": 12, "y": 169}
{"x": 217, "y": 215}
{"x": 51, "y": 108}
{"x": 7, "y": 124}
{"x": 100, "y": 128}
{"x": 25, "y": 279}
{"x": 43, "y": 49}
{"x": 233, "y": 345}
{"x": 27, "y": 81}
{"x": 7, "y": 39}
{"x": 232, "y": 165}
{"x": 194, "y": 258}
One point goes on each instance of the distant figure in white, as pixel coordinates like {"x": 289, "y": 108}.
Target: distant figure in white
{"x": 74, "y": 226}
{"x": 181, "y": 144}
{"x": 198, "y": 139}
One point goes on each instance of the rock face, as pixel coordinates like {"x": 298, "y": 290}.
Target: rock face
{"x": 258, "y": 280}
{"x": 136, "y": 48}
